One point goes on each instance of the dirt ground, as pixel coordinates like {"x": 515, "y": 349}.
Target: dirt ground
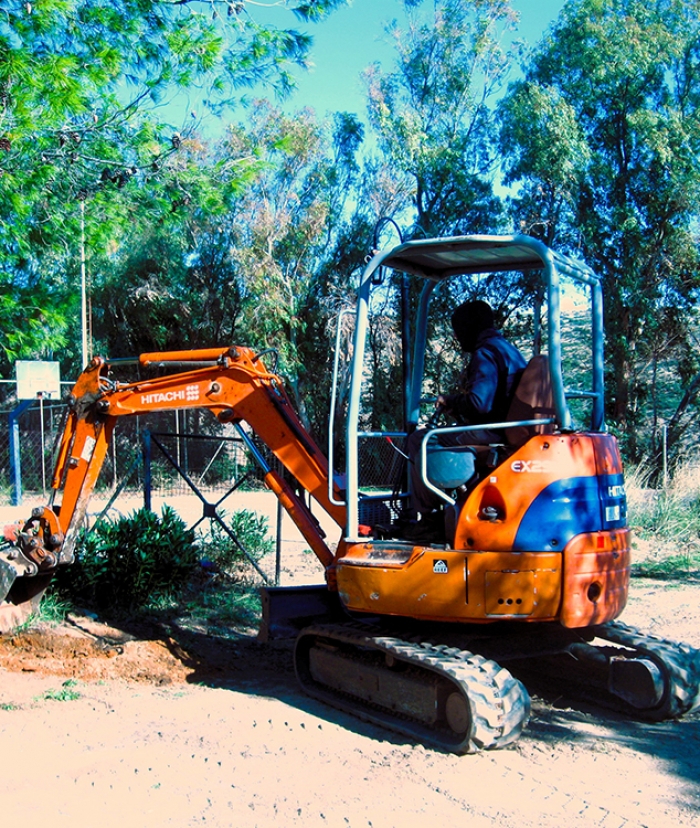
{"x": 176, "y": 727}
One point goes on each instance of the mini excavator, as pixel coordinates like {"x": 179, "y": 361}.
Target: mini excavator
{"x": 530, "y": 560}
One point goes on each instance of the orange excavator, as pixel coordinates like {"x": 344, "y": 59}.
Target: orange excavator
{"x": 530, "y": 560}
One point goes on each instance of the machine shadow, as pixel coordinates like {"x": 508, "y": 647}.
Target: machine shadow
{"x": 238, "y": 661}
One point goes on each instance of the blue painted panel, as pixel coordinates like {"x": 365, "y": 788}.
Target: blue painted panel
{"x": 570, "y": 507}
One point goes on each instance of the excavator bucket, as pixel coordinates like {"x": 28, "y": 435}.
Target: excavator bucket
{"x": 22, "y": 598}
{"x": 8, "y": 574}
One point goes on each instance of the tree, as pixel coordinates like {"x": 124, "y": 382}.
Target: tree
{"x": 617, "y": 176}
{"x": 81, "y": 86}
{"x": 177, "y": 285}
{"x": 543, "y": 148}
{"x": 437, "y": 132}
{"x": 286, "y": 227}
{"x": 432, "y": 113}
{"x": 246, "y": 240}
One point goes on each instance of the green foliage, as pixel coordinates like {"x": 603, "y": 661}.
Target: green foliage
{"x": 33, "y": 320}
{"x": 227, "y": 596}
{"x": 53, "y": 608}
{"x": 67, "y": 692}
{"x": 223, "y": 603}
{"x": 251, "y": 532}
{"x": 682, "y": 566}
{"x": 146, "y": 562}
{"x": 126, "y": 564}
{"x": 543, "y": 145}
{"x": 666, "y": 522}
{"x": 82, "y": 84}
{"x": 603, "y": 136}
{"x": 431, "y": 113}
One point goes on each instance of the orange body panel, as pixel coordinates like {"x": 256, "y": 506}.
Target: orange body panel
{"x": 530, "y": 544}
{"x": 585, "y": 585}
{"x": 512, "y": 487}
{"x": 596, "y": 578}
{"x": 449, "y": 585}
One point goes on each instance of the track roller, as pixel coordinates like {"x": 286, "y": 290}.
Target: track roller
{"x": 445, "y": 696}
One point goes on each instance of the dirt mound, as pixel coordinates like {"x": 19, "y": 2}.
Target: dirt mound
{"x": 74, "y": 654}
{"x": 86, "y": 649}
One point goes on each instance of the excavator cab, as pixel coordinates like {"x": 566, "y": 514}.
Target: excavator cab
{"x": 541, "y": 404}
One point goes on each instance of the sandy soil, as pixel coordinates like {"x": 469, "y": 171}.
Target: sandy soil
{"x": 174, "y": 727}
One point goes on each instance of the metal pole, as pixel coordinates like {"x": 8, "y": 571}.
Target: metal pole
{"x": 664, "y": 438}
{"x": 146, "y": 445}
{"x": 406, "y": 347}
{"x": 278, "y": 542}
{"x": 15, "y": 455}
{"x": 83, "y": 285}
{"x": 43, "y": 443}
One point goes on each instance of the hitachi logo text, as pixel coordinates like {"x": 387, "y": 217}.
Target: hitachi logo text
{"x": 189, "y": 394}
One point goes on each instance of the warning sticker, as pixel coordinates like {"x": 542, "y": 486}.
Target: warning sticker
{"x": 440, "y": 566}
{"x": 88, "y": 448}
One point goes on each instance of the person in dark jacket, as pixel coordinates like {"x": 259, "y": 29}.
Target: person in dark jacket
{"x": 483, "y": 394}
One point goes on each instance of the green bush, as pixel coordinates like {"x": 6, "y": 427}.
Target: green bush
{"x": 129, "y": 563}
{"x": 251, "y": 532}
{"x": 220, "y": 604}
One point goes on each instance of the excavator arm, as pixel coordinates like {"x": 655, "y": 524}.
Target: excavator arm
{"x": 232, "y": 383}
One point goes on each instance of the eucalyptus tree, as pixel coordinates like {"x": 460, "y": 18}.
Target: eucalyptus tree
{"x": 250, "y": 239}
{"x": 434, "y": 119}
{"x": 287, "y": 226}
{"x": 432, "y": 112}
{"x": 86, "y": 118}
{"x": 603, "y": 135}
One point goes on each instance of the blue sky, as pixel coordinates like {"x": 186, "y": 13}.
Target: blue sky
{"x": 351, "y": 39}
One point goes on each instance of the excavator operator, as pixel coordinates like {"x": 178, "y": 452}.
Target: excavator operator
{"x": 483, "y": 395}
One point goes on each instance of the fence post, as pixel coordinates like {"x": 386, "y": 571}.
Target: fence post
{"x": 278, "y": 542}
{"x": 146, "y": 442}
{"x": 15, "y": 459}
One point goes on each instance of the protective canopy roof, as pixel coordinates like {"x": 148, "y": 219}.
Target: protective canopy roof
{"x": 441, "y": 258}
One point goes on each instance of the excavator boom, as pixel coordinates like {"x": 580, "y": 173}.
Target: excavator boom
{"x": 233, "y": 383}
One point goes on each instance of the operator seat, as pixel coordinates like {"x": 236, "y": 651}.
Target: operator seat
{"x": 452, "y": 467}
{"x": 533, "y": 400}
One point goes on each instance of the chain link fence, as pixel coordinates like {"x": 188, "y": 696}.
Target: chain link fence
{"x": 206, "y": 452}
{"x": 210, "y": 455}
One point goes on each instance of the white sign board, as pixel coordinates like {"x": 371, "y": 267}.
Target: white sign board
{"x": 36, "y": 378}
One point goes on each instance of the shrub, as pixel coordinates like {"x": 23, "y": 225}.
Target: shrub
{"x": 128, "y": 563}
{"x": 251, "y": 532}
{"x": 667, "y": 522}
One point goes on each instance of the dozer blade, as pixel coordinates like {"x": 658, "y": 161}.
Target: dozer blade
{"x": 287, "y": 610}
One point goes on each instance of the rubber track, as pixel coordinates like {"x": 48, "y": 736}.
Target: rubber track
{"x": 679, "y": 662}
{"x": 499, "y": 703}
